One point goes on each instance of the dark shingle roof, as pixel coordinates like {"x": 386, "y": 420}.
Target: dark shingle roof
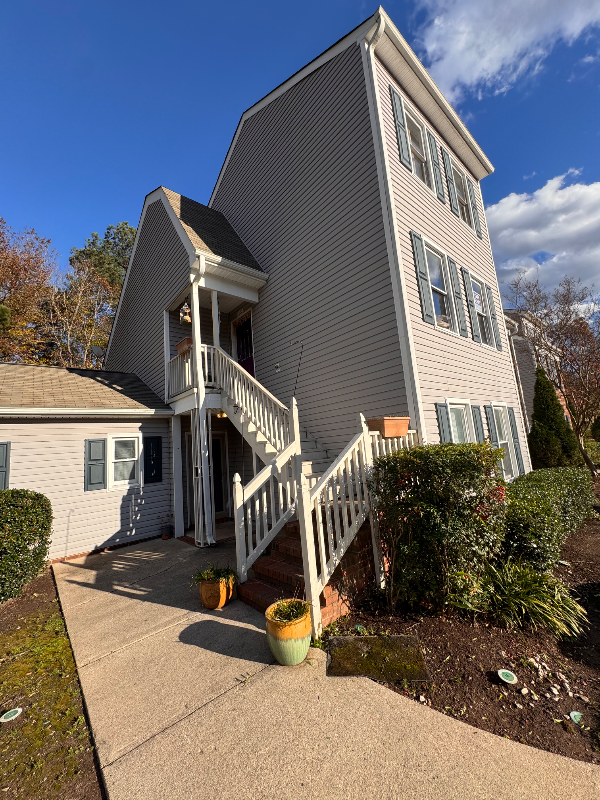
{"x": 33, "y": 386}
{"x": 208, "y": 229}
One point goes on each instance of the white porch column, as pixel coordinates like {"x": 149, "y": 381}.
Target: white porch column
{"x": 177, "y": 476}
{"x": 167, "y": 349}
{"x": 214, "y": 296}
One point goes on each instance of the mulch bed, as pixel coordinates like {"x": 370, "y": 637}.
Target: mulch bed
{"x": 47, "y": 751}
{"x": 464, "y": 657}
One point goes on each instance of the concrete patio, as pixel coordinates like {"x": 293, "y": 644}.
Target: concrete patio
{"x": 188, "y": 703}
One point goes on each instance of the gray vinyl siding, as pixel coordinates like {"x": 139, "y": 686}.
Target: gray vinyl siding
{"x": 301, "y": 190}
{"x": 177, "y": 332}
{"x": 48, "y": 457}
{"x": 525, "y": 367}
{"x": 448, "y": 365}
{"x": 158, "y": 274}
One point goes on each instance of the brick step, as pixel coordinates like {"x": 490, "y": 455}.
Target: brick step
{"x": 281, "y": 573}
{"x": 258, "y": 594}
{"x": 288, "y": 546}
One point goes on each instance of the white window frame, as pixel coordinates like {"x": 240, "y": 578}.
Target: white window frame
{"x": 427, "y": 243}
{"x": 110, "y": 460}
{"x": 486, "y": 308}
{"x": 409, "y": 113}
{"x": 455, "y": 166}
{"x": 466, "y": 405}
{"x": 511, "y": 449}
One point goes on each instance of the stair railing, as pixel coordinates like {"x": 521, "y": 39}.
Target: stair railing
{"x": 263, "y": 506}
{"x": 384, "y": 447}
{"x": 259, "y": 406}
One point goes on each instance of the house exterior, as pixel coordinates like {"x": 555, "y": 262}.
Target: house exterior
{"x": 342, "y": 267}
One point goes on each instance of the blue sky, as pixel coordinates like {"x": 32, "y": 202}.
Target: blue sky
{"x": 104, "y": 101}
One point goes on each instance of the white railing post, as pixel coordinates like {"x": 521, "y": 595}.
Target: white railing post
{"x": 240, "y": 528}
{"x": 309, "y": 560}
{"x": 368, "y": 465}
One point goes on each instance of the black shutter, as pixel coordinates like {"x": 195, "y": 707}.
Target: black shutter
{"x": 516, "y": 443}
{"x": 401, "y": 132}
{"x": 4, "y": 464}
{"x": 152, "y": 459}
{"x": 471, "y": 304}
{"x": 450, "y": 181}
{"x": 478, "y": 424}
{"x": 435, "y": 164}
{"x": 474, "y": 211}
{"x": 491, "y": 423}
{"x": 95, "y": 464}
{"x": 443, "y": 418}
{"x": 423, "y": 278}
{"x": 458, "y": 300}
{"x": 493, "y": 317}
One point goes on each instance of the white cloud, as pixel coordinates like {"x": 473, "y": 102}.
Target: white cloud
{"x": 489, "y": 44}
{"x": 555, "y": 230}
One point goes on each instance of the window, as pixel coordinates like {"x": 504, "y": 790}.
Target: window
{"x": 458, "y": 424}
{"x": 439, "y": 289}
{"x": 502, "y": 431}
{"x": 461, "y": 194}
{"x": 125, "y": 455}
{"x": 417, "y": 147}
{"x": 481, "y": 311}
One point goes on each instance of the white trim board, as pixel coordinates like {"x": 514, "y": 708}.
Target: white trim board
{"x": 25, "y": 411}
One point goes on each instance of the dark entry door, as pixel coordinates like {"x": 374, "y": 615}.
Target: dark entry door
{"x": 245, "y": 350}
{"x": 217, "y": 472}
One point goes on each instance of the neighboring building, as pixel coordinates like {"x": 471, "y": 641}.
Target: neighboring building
{"x": 343, "y": 259}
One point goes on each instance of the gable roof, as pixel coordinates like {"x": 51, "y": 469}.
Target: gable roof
{"x": 39, "y": 390}
{"x": 210, "y": 230}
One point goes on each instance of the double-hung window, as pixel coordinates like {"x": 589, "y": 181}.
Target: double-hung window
{"x": 459, "y": 423}
{"x": 417, "y": 148}
{"x": 124, "y": 454}
{"x": 461, "y": 195}
{"x": 482, "y": 312}
{"x": 504, "y": 437}
{"x": 438, "y": 278}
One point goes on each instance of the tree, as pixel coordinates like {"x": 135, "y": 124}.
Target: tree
{"x": 564, "y": 328}
{"x": 595, "y": 429}
{"x": 552, "y": 442}
{"x": 110, "y": 255}
{"x": 26, "y": 265}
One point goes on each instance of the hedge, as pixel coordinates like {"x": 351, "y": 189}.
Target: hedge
{"x": 441, "y": 511}
{"x": 25, "y": 530}
{"x": 544, "y": 507}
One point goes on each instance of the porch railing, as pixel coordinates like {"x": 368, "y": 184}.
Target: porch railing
{"x": 181, "y": 373}
{"x": 384, "y": 447}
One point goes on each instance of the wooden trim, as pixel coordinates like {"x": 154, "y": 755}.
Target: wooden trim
{"x": 24, "y": 411}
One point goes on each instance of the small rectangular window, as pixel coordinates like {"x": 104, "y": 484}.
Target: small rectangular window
{"x": 481, "y": 311}
{"x": 502, "y": 431}
{"x": 125, "y": 461}
{"x": 461, "y": 193}
{"x": 418, "y": 152}
{"x": 439, "y": 288}
{"x": 458, "y": 424}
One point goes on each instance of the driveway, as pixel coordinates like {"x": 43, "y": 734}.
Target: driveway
{"x": 187, "y": 703}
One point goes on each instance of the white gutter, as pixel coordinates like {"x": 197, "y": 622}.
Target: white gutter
{"x": 27, "y": 411}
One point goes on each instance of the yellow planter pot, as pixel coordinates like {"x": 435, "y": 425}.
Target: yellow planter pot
{"x": 289, "y": 641}
{"x": 215, "y": 594}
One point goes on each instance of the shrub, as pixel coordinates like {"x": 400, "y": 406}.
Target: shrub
{"x": 212, "y": 573}
{"x": 25, "y": 530}
{"x": 517, "y": 594}
{"x": 595, "y": 429}
{"x": 552, "y": 442}
{"x": 593, "y": 450}
{"x": 441, "y": 511}
{"x": 544, "y": 507}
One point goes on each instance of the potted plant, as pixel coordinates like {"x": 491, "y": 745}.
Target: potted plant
{"x": 288, "y": 630}
{"x": 389, "y": 427}
{"x": 217, "y": 586}
{"x": 166, "y": 528}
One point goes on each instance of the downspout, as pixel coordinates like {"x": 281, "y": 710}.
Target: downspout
{"x": 407, "y": 352}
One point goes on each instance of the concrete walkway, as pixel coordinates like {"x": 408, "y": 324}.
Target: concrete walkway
{"x": 186, "y": 703}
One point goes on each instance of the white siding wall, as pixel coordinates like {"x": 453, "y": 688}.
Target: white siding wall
{"x": 448, "y": 365}
{"x": 48, "y": 457}
{"x": 301, "y": 191}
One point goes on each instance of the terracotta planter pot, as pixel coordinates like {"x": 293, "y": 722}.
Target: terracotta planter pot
{"x": 289, "y": 641}
{"x": 184, "y": 345}
{"x": 215, "y": 594}
{"x": 389, "y": 427}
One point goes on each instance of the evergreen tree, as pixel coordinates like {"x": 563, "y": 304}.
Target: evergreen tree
{"x": 110, "y": 255}
{"x": 595, "y": 429}
{"x": 552, "y": 442}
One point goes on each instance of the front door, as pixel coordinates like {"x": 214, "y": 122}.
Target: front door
{"x": 218, "y": 454}
{"x": 245, "y": 349}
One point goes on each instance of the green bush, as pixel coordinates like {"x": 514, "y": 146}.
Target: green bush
{"x": 544, "y": 507}
{"x": 593, "y": 450}
{"x": 552, "y": 442}
{"x": 25, "y": 530}
{"x": 516, "y": 594}
{"x": 441, "y": 512}
{"x": 595, "y": 429}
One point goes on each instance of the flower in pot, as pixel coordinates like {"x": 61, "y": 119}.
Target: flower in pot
{"x": 288, "y": 630}
{"x": 217, "y": 585}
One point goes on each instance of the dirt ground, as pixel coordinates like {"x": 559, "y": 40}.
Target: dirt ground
{"x": 554, "y": 678}
{"x": 47, "y": 751}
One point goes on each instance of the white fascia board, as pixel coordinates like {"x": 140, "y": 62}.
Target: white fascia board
{"x": 24, "y": 411}
{"x": 230, "y": 270}
{"x": 354, "y": 37}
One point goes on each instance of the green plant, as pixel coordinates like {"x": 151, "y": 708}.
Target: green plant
{"x": 552, "y": 442}
{"x": 289, "y": 610}
{"x": 517, "y": 594}
{"x": 593, "y": 450}
{"x": 213, "y": 573}
{"x": 595, "y": 429}
{"x": 544, "y": 507}
{"x": 440, "y": 510}
{"x": 25, "y": 530}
